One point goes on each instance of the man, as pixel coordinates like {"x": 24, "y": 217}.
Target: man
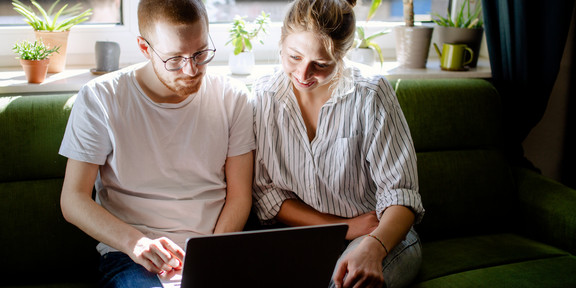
{"x": 166, "y": 147}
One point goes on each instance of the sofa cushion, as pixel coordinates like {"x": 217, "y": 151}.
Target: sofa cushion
{"x": 36, "y": 240}
{"x": 556, "y": 272}
{"x": 457, "y": 255}
{"x": 34, "y": 127}
{"x": 456, "y": 130}
{"x": 465, "y": 192}
{"x": 463, "y": 114}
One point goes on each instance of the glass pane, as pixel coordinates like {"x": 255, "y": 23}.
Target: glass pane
{"x": 223, "y": 11}
{"x": 104, "y": 11}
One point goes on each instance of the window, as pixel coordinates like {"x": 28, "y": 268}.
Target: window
{"x": 221, "y": 11}
{"x": 103, "y": 11}
{"x": 116, "y": 20}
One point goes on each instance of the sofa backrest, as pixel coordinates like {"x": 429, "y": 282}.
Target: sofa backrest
{"x": 465, "y": 181}
{"x": 37, "y": 244}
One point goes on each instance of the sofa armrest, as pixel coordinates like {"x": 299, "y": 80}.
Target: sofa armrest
{"x": 547, "y": 209}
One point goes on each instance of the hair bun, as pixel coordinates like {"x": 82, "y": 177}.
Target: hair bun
{"x": 351, "y": 2}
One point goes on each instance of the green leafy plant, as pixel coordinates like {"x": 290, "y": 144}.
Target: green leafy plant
{"x": 242, "y": 33}
{"x": 364, "y": 41}
{"x": 36, "y": 50}
{"x": 48, "y": 19}
{"x": 466, "y": 17}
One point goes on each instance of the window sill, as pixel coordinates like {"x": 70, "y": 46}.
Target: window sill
{"x": 13, "y": 80}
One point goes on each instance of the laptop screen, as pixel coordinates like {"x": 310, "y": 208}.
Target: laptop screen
{"x": 285, "y": 257}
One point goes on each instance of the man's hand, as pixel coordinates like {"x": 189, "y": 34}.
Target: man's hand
{"x": 361, "y": 225}
{"x": 160, "y": 256}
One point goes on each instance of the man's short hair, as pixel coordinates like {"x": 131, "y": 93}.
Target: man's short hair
{"x": 175, "y": 12}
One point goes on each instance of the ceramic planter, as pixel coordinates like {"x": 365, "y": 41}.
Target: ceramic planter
{"x": 35, "y": 70}
{"x": 241, "y": 64}
{"x": 413, "y": 45}
{"x": 454, "y": 35}
{"x": 53, "y": 39}
{"x": 365, "y": 56}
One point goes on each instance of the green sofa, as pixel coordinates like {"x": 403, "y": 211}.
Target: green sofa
{"x": 487, "y": 224}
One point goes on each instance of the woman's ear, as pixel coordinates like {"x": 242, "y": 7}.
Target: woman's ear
{"x": 144, "y": 47}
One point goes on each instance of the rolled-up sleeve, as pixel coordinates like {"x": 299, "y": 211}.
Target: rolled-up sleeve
{"x": 267, "y": 198}
{"x": 392, "y": 156}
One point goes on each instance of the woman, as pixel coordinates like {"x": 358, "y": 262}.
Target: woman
{"x": 333, "y": 147}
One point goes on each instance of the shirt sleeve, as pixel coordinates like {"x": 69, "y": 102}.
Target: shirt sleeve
{"x": 267, "y": 198}
{"x": 241, "y": 134}
{"x": 392, "y": 156}
{"x": 86, "y": 137}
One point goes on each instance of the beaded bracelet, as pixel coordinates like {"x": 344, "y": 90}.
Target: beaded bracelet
{"x": 381, "y": 243}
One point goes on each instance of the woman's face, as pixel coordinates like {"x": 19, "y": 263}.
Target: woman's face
{"x": 307, "y": 63}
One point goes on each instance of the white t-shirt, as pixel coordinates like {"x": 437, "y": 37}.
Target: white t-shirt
{"x": 162, "y": 165}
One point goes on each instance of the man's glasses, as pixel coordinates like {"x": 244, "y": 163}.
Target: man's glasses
{"x": 178, "y": 62}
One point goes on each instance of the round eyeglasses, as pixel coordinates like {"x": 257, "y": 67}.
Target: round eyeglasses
{"x": 176, "y": 63}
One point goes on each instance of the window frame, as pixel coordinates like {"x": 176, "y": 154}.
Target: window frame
{"x": 83, "y": 37}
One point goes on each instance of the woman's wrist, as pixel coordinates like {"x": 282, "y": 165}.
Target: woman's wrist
{"x": 379, "y": 242}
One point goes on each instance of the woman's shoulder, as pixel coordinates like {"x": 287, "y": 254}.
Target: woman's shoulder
{"x": 367, "y": 78}
{"x": 270, "y": 85}
{"x": 364, "y": 74}
{"x": 270, "y": 82}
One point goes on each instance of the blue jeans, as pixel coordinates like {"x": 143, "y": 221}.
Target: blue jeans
{"x": 120, "y": 271}
{"x": 401, "y": 265}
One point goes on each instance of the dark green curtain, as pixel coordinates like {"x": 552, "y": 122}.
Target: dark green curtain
{"x": 526, "y": 41}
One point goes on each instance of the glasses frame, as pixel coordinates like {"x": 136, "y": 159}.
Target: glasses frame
{"x": 186, "y": 60}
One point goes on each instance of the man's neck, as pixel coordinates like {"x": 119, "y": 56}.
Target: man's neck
{"x": 153, "y": 88}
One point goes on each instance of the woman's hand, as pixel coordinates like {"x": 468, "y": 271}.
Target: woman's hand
{"x": 361, "y": 225}
{"x": 361, "y": 267}
{"x": 160, "y": 256}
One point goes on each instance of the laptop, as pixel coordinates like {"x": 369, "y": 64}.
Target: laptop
{"x": 284, "y": 257}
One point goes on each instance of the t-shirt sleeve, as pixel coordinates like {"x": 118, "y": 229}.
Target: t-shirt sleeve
{"x": 86, "y": 137}
{"x": 241, "y": 140}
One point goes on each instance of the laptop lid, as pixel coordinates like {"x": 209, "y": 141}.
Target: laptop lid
{"x": 285, "y": 257}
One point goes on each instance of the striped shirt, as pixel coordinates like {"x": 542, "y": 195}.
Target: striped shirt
{"x": 362, "y": 157}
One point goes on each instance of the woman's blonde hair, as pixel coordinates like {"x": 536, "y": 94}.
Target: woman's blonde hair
{"x": 332, "y": 20}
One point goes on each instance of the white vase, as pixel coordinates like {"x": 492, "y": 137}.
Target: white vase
{"x": 241, "y": 64}
{"x": 362, "y": 55}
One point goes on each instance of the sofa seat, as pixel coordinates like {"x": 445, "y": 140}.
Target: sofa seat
{"x": 500, "y": 260}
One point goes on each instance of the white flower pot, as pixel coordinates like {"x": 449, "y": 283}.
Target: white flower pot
{"x": 241, "y": 64}
{"x": 365, "y": 56}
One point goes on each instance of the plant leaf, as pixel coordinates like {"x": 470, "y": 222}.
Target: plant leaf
{"x": 375, "y": 5}
{"x": 376, "y": 47}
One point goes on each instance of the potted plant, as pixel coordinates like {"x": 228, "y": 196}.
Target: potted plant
{"x": 53, "y": 26}
{"x": 364, "y": 46}
{"x": 412, "y": 42}
{"x": 34, "y": 58}
{"x": 463, "y": 27}
{"x": 241, "y": 60}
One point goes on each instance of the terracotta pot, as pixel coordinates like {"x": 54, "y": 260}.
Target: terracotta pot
{"x": 454, "y": 35}
{"x": 413, "y": 45}
{"x": 53, "y": 39}
{"x": 35, "y": 70}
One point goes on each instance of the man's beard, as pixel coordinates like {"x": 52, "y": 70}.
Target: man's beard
{"x": 182, "y": 90}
